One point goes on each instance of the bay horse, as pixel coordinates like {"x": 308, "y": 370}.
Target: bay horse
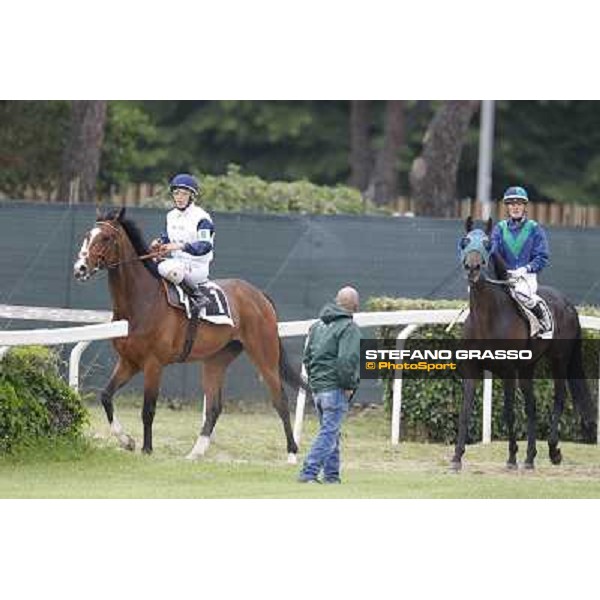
{"x": 157, "y": 332}
{"x": 494, "y": 316}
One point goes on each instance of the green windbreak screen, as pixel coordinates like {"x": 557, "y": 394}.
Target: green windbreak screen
{"x": 299, "y": 260}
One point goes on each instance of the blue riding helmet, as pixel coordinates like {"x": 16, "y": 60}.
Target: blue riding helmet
{"x": 515, "y": 193}
{"x": 185, "y": 182}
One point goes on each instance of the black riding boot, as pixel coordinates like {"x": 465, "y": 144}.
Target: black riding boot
{"x": 198, "y": 299}
{"x": 542, "y": 315}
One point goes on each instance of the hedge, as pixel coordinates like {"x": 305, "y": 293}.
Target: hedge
{"x": 35, "y": 402}
{"x": 430, "y": 407}
{"x": 235, "y": 192}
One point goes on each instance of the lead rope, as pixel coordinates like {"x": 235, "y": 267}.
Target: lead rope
{"x": 456, "y": 318}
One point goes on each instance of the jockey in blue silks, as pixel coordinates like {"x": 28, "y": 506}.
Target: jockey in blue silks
{"x": 189, "y": 239}
{"x": 523, "y": 245}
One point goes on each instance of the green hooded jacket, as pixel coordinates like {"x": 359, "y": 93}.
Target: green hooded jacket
{"x": 332, "y": 354}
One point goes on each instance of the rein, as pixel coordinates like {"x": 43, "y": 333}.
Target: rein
{"x": 507, "y": 282}
{"x": 142, "y": 257}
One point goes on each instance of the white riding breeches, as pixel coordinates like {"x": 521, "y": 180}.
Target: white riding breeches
{"x": 177, "y": 269}
{"x": 525, "y": 289}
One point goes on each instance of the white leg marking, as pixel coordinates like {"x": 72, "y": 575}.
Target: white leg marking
{"x": 200, "y": 447}
{"x": 292, "y": 459}
{"x": 117, "y": 430}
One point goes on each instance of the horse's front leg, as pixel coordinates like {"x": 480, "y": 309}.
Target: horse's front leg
{"x": 121, "y": 374}
{"x": 463, "y": 422}
{"x": 527, "y": 389}
{"x": 509, "y": 418}
{"x": 152, "y": 374}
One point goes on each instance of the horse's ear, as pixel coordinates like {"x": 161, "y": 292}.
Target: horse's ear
{"x": 120, "y": 214}
{"x": 488, "y": 226}
{"x": 98, "y": 213}
{"x": 469, "y": 224}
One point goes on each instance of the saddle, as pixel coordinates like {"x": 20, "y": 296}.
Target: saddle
{"x": 216, "y": 312}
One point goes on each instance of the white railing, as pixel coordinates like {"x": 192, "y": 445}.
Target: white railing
{"x": 64, "y": 335}
{"x": 81, "y": 336}
{"x": 85, "y": 334}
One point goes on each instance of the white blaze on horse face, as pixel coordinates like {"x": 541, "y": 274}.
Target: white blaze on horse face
{"x": 85, "y": 249}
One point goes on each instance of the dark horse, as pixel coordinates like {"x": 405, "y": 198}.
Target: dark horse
{"x": 157, "y": 331}
{"x": 494, "y": 315}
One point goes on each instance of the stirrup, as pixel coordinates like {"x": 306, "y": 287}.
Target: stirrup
{"x": 200, "y": 300}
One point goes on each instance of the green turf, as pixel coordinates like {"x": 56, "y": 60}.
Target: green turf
{"x": 247, "y": 460}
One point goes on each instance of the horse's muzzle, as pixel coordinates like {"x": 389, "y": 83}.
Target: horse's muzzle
{"x": 80, "y": 271}
{"x": 472, "y": 265}
{"x": 473, "y": 273}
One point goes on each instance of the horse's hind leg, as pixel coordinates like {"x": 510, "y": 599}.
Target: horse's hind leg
{"x": 509, "y": 418}
{"x": 213, "y": 370}
{"x": 281, "y": 404}
{"x": 527, "y": 389}
{"x": 121, "y": 374}
{"x": 266, "y": 358}
{"x": 557, "y": 410}
{"x": 152, "y": 373}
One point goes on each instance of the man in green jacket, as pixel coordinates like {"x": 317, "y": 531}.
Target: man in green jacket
{"x": 332, "y": 361}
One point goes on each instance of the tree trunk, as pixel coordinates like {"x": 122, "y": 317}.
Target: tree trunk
{"x": 81, "y": 156}
{"x": 360, "y": 145}
{"x": 433, "y": 173}
{"x": 385, "y": 176}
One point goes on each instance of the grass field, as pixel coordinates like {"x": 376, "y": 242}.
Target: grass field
{"x": 247, "y": 460}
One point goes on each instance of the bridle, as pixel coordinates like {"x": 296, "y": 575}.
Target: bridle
{"x": 476, "y": 244}
{"x": 102, "y": 255}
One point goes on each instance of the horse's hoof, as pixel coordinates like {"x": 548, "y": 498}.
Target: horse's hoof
{"x": 528, "y": 466}
{"x": 556, "y": 457}
{"x": 147, "y": 451}
{"x": 199, "y": 449}
{"x": 455, "y": 466}
{"x": 511, "y": 466}
{"x": 127, "y": 443}
{"x": 292, "y": 459}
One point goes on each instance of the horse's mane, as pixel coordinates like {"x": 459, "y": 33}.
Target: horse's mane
{"x": 498, "y": 267}
{"x": 135, "y": 235}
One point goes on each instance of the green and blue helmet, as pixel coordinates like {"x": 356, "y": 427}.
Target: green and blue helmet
{"x": 515, "y": 193}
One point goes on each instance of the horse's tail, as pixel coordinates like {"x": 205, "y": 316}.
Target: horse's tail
{"x": 580, "y": 392}
{"x": 286, "y": 370}
{"x": 288, "y": 373}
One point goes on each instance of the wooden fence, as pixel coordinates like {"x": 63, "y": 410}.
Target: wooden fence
{"x": 131, "y": 195}
{"x": 546, "y": 213}
{"x": 555, "y": 213}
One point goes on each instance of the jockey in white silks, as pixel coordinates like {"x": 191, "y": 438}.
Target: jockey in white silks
{"x": 189, "y": 240}
{"x": 523, "y": 245}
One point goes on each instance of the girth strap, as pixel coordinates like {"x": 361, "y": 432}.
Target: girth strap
{"x": 190, "y": 335}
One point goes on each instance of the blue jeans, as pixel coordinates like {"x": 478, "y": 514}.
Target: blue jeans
{"x": 331, "y": 406}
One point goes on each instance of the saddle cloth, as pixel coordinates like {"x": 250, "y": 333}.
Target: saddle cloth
{"x": 534, "y": 325}
{"x": 217, "y": 311}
